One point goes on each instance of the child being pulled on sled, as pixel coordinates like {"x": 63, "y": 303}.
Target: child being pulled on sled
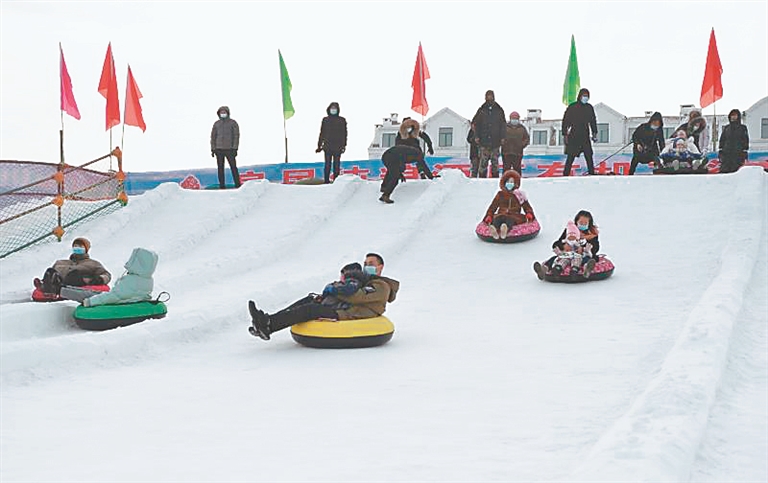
{"x": 572, "y": 252}
{"x": 681, "y": 150}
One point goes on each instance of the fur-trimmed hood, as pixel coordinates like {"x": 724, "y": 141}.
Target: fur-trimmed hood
{"x": 509, "y": 175}
{"x": 404, "y": 129}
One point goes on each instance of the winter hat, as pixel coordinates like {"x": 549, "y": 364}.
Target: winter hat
{"x": 514, "y": 115}
{"x": 82, "y": 242}
{"x": 331, "y": 106}
{"x": 572, "y": 230}
{"x": 490, "y": 93}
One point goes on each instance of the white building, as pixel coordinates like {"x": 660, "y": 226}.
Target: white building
{"x": 448, "y": 130}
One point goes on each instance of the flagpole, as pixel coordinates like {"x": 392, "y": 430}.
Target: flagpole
{"x": 110, "y": 149}
{"x": 714, "y": 126}
{"x": 285, "y": 135}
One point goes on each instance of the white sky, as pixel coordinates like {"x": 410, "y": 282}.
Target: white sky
{"x": 190, "y": 57}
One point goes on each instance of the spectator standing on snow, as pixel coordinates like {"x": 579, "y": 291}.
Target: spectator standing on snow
{"x": 734, "y": 143}
{"x": 515, "y": 141}
{"x": 648, "y": 140}
{"x": 332, "y": 140}
{"x": 490, "y": 130}
{"x": 578, "y": 119}
{"x": 225, "y": 140}
{"x": 474, "y": 154}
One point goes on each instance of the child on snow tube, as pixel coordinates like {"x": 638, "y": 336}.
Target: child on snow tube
{"x": 681, "y": 152}
{"x": 574, "y": 251}
{"x": 588, "y": 231}
{"x": 134, "y": 286}
{"x": 510, "y": 207}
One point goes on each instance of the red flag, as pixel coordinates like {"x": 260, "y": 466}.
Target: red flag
{"x": 133, "y": 115}
{"x": 108, "y": 89}
{"x": 68, "y": 103}
{"x": 712, "y": 87}
{"x": 419, "y": 84}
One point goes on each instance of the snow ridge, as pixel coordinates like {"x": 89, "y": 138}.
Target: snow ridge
{"x": 658, "y": 437}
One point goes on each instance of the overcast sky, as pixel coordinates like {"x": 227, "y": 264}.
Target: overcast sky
{"x": 189, "y": 58}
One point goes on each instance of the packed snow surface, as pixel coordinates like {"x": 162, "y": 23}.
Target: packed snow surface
{"x": 656, "y": 374}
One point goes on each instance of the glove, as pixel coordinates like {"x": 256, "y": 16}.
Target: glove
{"x": 431, "y": 151}
{"x": 594, "y": 139}
{"x": 639, "y": 148}
{"x": 529, "y": 217}
{"x": 234, "y": 153}
{"x": 318, "y": 150}
{"x": 213, "y": 154}
{"x": 488, "y": 219}
{"x": 329, "y": 289}
{"x": 343, "y": 149}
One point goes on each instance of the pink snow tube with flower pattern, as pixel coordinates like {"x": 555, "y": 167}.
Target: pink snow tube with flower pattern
{"x": 603, "y": 269}
{"x": 518, "y": 233}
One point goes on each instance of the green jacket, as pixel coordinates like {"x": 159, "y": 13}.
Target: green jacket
{"x": 371, "y": 300}
{"x": 135, "y": 286}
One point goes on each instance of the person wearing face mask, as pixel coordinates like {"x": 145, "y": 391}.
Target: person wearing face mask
{"x": 332, "y": 140}
{"x": 734, "y": 143}
{"x": 409, "y": 134}
{"x": 585, "y": 223}
{"x": 490, "y": 130}
{"x": 78, "y": 270}
{"x": 515, "y": 141}
{"x": 648, "y": 140}
{"x": 578, "y": 120}
{"x": 697, "y": 128}
{"x": 509, "y": 207}
{"x": 366, "y": 300}
{"x": 225, "y": 140}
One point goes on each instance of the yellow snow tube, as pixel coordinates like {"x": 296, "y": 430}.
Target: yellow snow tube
{"x": 343, "y": 334}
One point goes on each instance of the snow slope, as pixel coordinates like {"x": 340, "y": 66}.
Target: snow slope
{"x": 657, "y": 374}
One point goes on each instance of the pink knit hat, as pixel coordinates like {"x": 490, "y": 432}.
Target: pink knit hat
{"x": 572, "y": 229}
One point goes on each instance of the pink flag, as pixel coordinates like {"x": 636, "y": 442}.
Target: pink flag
{"x": 419, "y": 84}
{"x": 68, "y": 103}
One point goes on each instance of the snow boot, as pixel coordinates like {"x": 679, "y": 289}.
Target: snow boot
{"x": 494, "y": 232}
{"x": 259, "y": 322}
{"x": 539, "y": 269}
{"x": 52, "y": 282}
{"x": 386, "y": 199}
{"x": 503, "y": 230}
{"x": 588, "y": 268}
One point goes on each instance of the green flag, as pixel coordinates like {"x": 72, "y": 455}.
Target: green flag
{"x": 572, "y": 82}
{"x": 285, "y": 83}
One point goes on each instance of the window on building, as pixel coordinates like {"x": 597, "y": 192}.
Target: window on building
{"x": 540, "y": 138}
{"x": 388, "y": 139}
{"x": 445, "y": 137}
{"x": 603, "y": 133}
{"x": 764, "y": 128}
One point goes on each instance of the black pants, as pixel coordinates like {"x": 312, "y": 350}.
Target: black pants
{"x": 335, "y": 158}
{"x": 640, "y": 158}
{"x": 395, "y": 159}
{"x": 569, "y": 163}
{"x": 229, "y": 154}
{"x": 731, "y": 162}
{"x": 303, "y": 310}
{"x": 499, "y": 220}
{"x": 512, "y": 161}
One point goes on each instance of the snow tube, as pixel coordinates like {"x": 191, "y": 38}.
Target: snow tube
{"x": 105, "y": 317}
{"x": 40, "y": 296}
{"x": 684, "y": 168}
{"x": 603, "y": 269}
{"x": 518, "y": 233}
{"x": 344, "y": 334}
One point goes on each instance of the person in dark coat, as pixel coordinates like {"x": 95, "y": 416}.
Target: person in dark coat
{"x": 225, "y": 140}
{"x": 474, "y": 154}
{"x": 404, "y": 137}
{"x": 490, "y": 130}
{"x": 578, "y": 119}
{"x": 422, "y": 135}
{"x": 734, "y": 143}
{"x": 696, "y": 127}
{"x": 332, "y": 140}
{"x": 395, "y": 159}
{"x": 648, "y": 140}
{"x": 365, "y": 301}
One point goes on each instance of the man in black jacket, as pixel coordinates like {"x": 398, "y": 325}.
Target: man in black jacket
{"x": 578, "y": 119}
{"x": 648, "y": 140}
{"x": 225, "y": 140}
{"x": 734, "y": 143}
{"x": 490, "y": 130}
{"x": 332, "y": 140}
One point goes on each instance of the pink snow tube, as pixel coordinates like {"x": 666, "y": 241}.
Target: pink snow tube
{"x": 603, "y": 269}
{"x": 518, "y": 233}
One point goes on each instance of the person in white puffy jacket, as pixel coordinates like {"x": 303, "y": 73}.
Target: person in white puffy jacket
{"x": 134, "y": 286}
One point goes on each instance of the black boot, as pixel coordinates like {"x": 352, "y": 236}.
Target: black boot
{"x": 259, "y": 322}
{"x": 386, "y": 199}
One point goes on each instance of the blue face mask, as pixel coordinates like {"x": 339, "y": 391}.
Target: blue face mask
{"x": 510, "y": 186}
{"x": 334, "y": 112}
{"x": 583, "y": 227}
{"x": 78, "y": 250}
{"x": 584, "y": 99}
{"x": 369, "y": 269}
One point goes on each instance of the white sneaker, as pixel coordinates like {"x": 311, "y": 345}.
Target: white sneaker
{"x": 504, "y": 230}
{"x": 676, "y": 164}
{"x": 494, "y": 233}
